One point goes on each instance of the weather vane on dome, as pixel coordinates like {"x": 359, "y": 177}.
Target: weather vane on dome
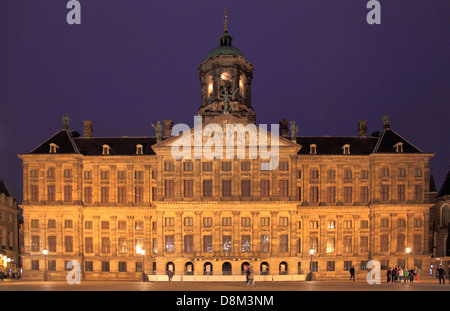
{"x": 225, "y": 22}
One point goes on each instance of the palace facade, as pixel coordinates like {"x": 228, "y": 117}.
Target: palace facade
{"x": 101, "y": 201}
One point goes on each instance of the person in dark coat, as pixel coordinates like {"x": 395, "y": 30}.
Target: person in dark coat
{"x": 389, "y": 275}
{"x": 352, "y": 273}
{"x": 441, "y": 274}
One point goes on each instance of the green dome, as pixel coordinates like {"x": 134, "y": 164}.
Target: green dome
{"x": 225, "y": 47}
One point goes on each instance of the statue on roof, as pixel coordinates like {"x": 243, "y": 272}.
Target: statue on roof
{"x": 65, "y": 120}
{"x": 294, "y": 131}
{"x": 158, "y": 128}
{"x": 385, "y": 119}
{"x": 227, "y": 97}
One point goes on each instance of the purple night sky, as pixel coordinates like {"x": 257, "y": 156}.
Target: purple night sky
{"x": 133, "y": 62}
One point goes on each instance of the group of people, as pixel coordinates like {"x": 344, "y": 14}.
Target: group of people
{"x": 397, "y": 274}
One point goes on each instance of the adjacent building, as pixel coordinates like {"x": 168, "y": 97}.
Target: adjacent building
{"x": 102, "y": 200}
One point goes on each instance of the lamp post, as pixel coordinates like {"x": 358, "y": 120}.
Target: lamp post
{"x": 45, "y": 252}
{"x": 408, "y": 250}
{"x": 311, "y": 253}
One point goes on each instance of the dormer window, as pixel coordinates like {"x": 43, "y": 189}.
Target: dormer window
{"x": 53, "y": 148}
{"x": 106, "y": 149}
{"x": 346, "y": 149}
{"x": 139, "y": 149}
{"x": 398, "y": 147}
{"x": 313, "y": 149}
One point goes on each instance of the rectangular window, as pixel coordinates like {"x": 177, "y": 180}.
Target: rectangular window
{"x": 207, "y": 222}
{"x": 265, "y": 243}
{"x": 169, "y": 221}
{"x": 188, "y": 166}
{"x": 207, "y": 166}
{"x": 401, "y": 223}
{"x": 331, "y": 174}
{"x": 314, "y": 194}
{"x": 364, "y": 174}
{"x": 265, "y": 190}
{"x": 207, "y": 188}
{"x": 284, "y": 188}
{"x": 401, "y": 239}
{"x": 188, "y": 243}
{"x": 330, "y": 244}
{"x": 51, "y": 243}
{"x": 51, "y": 224}
{"x": 245, "y": 221}
{"x": 245, "y": 244}
{"x": 88, "y": 224}
{"x": 284, "y": 246}
{"x": 417, "y": 192}
{"x": 401, "y": 192}
{"x": 51, "y": 193}
{"x": 347, "y": 244}
{"x": 87, "y": 175}
{"x": 347, "y": 224}
{"x": 384, "y": 192}
{"x": 34, "y": 222}
{"x": 384, "y": 243}
{"x": 139, "y": 225}
{"x": 139, "y": 175}
{"x": 417, "y": 172}
{"x": 284, "y": 166}
{"x": 87, "y": 194}
{"x": 364, "y": 194}
{"x": 226, "y": 166}
{"x": 67, "y": 193}
{"x": 138, "y": 195}
{"x": 331, "y": 224}
{"x": 68, "y": 224}
{"x": 67, "y": 173}
{"x": 226, "y": 188}
{"x": 401, "y": 172}
{"x": 188, "y": 221}
{"x": 104, "y": 174}
{"x": 348, "y": 194}
{"x": 226, "y": 243}
{"x": 122, "y": 266}
{"x": 385, "y": 172}
{"x": 245, "y": 166}
{"x": 89, "y": 245}
{"x": 417, "y": 244}
{"x": 313, "y": 224}
{"x": 89, "y": 266}
{"x": 106, "y": 245}
{"x": 104, "y": 191}
{"x": 105, "y": 266}
{"x": 314, "y": 243}
{"x": 34, "y": 264}
{"x": 68, "y": 244}
{"x": 364, "y": 224}
{"x": 299, "y": 193}
{"x": 347, "y": 174}
{"x": 314, "y": 174}
{"x": 364, "y": 244}
{"x": 168, "y": 166}
{"x": 245, "y": 188}
{"x": 265, "y": 221}
{"x": 121, "y": 175}
{"x": 283, "y": 221}
{"x": 34, "y": 193}
{"x": 384, "y": 222}
{"x": 122, "y": 247}
{"x": 331, "y": 194}
{"x": 331, "y": 266}
{"x": 51, "y": 265}
{"x": 188, "y": 187}
{"x": 417, "y": 222}
{"x": 226, "y": 221}
{"x": 169, "y": 188}
{"x": 105, "y": 225}
{"x": 170, "y": 243}
{"x": 207, "y": 244}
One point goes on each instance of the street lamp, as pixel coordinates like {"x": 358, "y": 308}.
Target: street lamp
{"x": 311, "y": 253}
{"x": 408, "y": 250}
{"x": 45, "y": 252}
{"x": 141, "y": 251}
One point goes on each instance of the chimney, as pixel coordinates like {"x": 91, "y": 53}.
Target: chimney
{"x": 87, "y": 130}
{"x": 284, "y": 128}
{"x": 362, "y": 128}
{"x": 168, "y": 128}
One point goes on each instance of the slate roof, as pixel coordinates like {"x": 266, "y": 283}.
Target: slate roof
{"x": 3, "y": 188}
{"x": 445, "y": 190}
{"x": 325, "y": 145}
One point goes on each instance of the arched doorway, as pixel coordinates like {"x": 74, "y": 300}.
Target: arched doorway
{"x": 189, "y": 268}
{"x": 170, "y": 266}
{"x": 244, "y": 267}
{"x": 283, "y": 268}
{"x": 226, "y": 268}
{"x": 264, "y": 268}
{"x": 208, "y": 268}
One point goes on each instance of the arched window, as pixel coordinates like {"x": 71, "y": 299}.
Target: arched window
{"x": 189, "y": 268}
{"x": 445, "y": 215}
{"x": 283, "y": 268}
{"x": 226, "y": 268}
{"x": 208, "y": 268}
{"x": 264, "y": 268}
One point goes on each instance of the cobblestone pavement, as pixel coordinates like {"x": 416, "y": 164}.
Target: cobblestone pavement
{"x": 360, "y": 285}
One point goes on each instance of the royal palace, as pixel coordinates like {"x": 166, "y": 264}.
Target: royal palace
{"x": 125, "y": 206}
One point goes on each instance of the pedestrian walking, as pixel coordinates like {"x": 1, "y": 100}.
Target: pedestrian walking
{"x": 394, "y": 274}
{"x": 411, "y": 275}
{"x": 1, "y": 275}
{"x": 441, "y": 274}
{"x": 352, "y": 273}
{"x": 416, "y": 273}
{"x": 250, "y": 276}
{"x": 170, "y": 273}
